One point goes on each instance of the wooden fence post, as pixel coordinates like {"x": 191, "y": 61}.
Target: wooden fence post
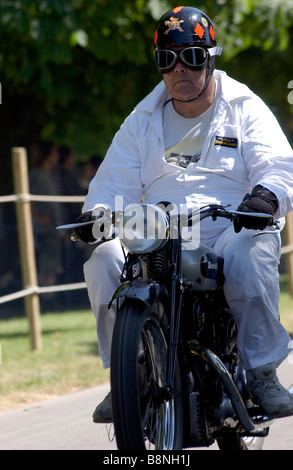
{"x": 26, "y": 244}
{"x": 289, "y": 241}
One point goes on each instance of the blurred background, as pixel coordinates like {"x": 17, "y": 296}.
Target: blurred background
{"x": 71, "y": 71}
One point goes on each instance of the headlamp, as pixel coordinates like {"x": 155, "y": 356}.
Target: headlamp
{"x": 143, "y": 228}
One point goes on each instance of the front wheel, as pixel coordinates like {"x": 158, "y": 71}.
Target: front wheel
{"x": 144, "y": 416}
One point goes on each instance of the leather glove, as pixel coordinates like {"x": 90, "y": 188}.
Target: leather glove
{"x": 260, "y": 200}
{"x": 92, "y": 233}
{"x": 85, "y": 233}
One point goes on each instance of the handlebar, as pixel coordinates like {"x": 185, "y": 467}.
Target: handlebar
{"x": 215, "y": 211}
{"x": 212, "y": 210}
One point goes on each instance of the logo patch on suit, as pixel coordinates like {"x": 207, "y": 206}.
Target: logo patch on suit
{"x": 231, "y": 142}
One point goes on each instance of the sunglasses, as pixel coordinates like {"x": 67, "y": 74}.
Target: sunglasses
{"x": 193, "y": 57}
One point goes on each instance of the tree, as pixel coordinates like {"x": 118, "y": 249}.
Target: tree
{"x": 72, "y": 70}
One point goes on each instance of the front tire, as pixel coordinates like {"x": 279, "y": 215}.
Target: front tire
{"x": 144, "y": 416}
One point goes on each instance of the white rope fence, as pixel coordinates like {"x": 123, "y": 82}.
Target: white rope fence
{"x": 36, "y": 197}
{"x": 37, "y": 289}
{"x": 41, "y": 290}
{"x": 11, "y": 198}
{"x": 286, "y": 249}
{"x": 31, "y": 291}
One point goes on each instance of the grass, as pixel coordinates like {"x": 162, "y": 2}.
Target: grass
{"x": 286, "y": 312}
{"x": 286, "y": 305}
{"x": 69, "y": 359}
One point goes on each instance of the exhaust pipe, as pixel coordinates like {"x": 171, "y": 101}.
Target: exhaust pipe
{"x": 213, "y": 360}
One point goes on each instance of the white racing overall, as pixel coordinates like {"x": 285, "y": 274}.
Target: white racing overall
{"x": 255, "y": 151}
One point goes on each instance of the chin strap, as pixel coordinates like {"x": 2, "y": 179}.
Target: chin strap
{"x": 191, "y": 99}
{"x": 182, "y": 101}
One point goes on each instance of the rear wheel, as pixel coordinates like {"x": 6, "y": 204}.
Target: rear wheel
{"x": 144, "y": 415}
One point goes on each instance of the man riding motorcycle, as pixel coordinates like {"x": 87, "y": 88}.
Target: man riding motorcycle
{"x": 201, "y": 137}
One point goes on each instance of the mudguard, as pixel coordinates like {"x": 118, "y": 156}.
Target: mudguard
{"x": 141, "y": 289}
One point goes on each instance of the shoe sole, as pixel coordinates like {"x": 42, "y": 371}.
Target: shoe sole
{"x": 102, "y": 421}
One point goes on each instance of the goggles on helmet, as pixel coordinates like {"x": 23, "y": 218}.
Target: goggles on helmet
{"x": 195, "y": 58}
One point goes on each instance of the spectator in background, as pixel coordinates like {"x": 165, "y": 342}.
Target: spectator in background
{"x": 6, "y": 273}
{"x": 46, "y": 216}
{"x": 95, "y": 162}
{"x": 73, "y": 255}
{"x": 67, "y": 184}
{"x": 88, "y": 171}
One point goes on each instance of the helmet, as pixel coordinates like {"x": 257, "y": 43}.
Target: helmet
{"x": 187, "y": 26}
{"x": 184, "y": 26}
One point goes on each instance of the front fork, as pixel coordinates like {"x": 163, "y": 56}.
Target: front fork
{"x": 177, "y": 289}
{"x": 147, "y": 290}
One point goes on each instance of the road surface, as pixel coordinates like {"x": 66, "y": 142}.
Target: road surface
{"x": 65, "y": 423}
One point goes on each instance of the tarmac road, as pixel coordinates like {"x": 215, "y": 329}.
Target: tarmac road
{"x": 65, "y": 423}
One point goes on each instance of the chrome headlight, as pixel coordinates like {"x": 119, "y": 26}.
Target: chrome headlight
{"x": 143, "y": 228}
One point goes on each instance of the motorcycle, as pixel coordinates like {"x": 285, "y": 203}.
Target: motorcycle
{"x": 177, "y": 380}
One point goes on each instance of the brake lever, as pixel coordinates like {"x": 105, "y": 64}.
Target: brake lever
{"x": 276, "y": 223}
{"x": 277, "y": 229}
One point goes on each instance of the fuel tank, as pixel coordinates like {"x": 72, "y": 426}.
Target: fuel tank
{"x": 201, "y": 267}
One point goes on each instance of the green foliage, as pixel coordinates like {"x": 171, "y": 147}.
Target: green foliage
{"x": 259, "y": 24}
{"x": 72, "y": 70}
{"x": 79, "y": 65}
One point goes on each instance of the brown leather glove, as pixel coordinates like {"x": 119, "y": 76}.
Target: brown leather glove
{"x": 260, "y": 200}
